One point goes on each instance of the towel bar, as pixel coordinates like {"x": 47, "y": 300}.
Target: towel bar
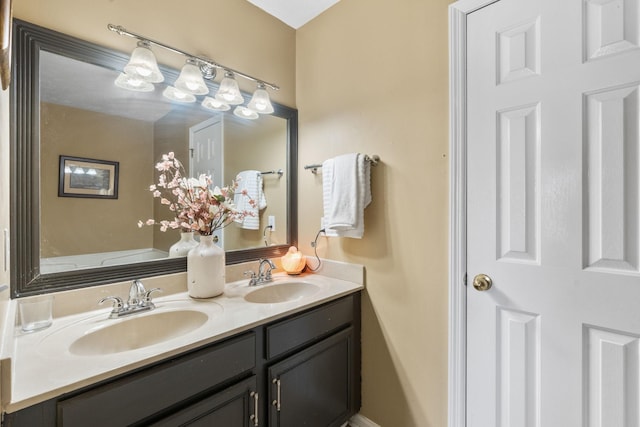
{"x": 280, "y": 172}
{"x": 371, "y": 159}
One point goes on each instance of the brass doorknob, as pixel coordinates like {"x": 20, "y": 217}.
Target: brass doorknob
{"x": 482, "y": 282}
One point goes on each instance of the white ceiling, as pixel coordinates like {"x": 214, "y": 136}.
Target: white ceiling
{"x": 294, "y": 13}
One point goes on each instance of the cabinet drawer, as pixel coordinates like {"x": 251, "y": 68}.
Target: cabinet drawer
{"x": 290, "y": 334}
{"x": 231, "y": 407}
{"x": 141, "y": 395}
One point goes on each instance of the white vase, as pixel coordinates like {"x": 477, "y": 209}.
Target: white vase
{"x": 183, "y": 246}
{"x": 205, "y": 269}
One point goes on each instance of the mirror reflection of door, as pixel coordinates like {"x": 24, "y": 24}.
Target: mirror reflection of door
{"x": 206, "y": 152}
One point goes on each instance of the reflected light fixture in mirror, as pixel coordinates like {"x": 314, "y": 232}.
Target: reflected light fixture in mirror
{"x": 129, "y": 82}
{"x": 143, "y": 64}
{"x": 177, "y": 95}
{"x": 215, "y": 105}
{"x": 245, "y": 113}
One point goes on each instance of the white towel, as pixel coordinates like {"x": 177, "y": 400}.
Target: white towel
{"x": 251, "y": 181}
{"x": 346, "y": 191}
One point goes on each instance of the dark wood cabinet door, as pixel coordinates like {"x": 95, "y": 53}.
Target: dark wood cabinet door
{"x": 316, "y": 387}
{"x": 233, "y": 407}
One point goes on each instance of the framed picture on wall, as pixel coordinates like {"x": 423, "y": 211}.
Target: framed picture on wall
{"x": 80, "y": 177}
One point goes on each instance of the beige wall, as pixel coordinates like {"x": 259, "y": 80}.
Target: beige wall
{"x": 75, "y": 226}
{"x": 262, "y": 148}
{"x": 372, "y": 78}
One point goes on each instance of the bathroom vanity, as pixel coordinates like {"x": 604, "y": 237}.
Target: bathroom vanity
{"x": 293, "y": 363}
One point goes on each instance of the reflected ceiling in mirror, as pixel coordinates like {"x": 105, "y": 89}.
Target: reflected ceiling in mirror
{"x": 68, "y": 94}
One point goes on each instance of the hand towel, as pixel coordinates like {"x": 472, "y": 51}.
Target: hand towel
{"x": 251, "y": 181}
{"x": 346, "y": 191}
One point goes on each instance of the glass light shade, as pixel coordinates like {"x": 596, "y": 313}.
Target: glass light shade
{"x": 213, "y": 104}
{"x": 134, "y": 83}
{"x": 229, "y": 92}
{"x": 143, "y": 64}
{"x": 177, "y": 95}
{"x": 260, "y": 102}
{"x": 191, "y": 81}
{"x": 245, "y": 113}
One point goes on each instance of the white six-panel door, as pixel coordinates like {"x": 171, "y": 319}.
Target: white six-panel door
{"x": 553, "y": 213}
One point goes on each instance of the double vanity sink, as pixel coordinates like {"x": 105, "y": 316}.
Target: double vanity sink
{"x": 172, "y": 318}
{"x": 86, "y": 348}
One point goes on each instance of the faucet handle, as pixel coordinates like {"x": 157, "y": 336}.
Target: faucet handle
{"x": 118, "y": 305}
{"x": 146, "y": 301}
{"x": 253, "y": 279}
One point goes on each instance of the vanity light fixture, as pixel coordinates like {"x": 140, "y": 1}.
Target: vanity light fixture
{"x": 190, "y": 79}
{"x": 190, "y": 82}
{"x": 134, "y": 83}
{"x": 229, "y": 92}
{"x": 245, "y": 113}
{"x": 143, "y": 64}
{"x": 176, "y": 94}
{"x": 214, "y": 104}
{"x": 260, "y": 102}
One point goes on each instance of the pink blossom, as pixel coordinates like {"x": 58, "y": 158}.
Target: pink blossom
{"x": 196, "y": 205}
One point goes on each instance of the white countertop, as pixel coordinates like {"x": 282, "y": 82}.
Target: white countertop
{"x": 42, "y": 367}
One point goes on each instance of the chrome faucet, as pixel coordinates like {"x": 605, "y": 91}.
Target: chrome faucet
{"x": 262, "y": 276}
{"x": 139, "y": 300}
{"x": 136, "y": 292}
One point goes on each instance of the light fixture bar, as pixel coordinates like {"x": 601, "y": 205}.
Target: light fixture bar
{"x": 209, "y": 62}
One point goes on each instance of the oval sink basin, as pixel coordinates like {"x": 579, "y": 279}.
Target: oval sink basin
{"x": 137, "y": 332}
{"x": 283, "y": 292}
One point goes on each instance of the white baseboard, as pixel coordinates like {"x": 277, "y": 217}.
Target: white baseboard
{"x": 361, "y": 421}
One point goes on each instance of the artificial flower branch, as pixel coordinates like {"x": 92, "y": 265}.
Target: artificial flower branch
{"x": 196, "y": 206}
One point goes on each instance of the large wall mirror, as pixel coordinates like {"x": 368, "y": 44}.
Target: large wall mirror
{"x": 65, "y": 105}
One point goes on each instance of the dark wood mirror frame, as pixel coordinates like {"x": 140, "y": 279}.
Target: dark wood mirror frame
{"x": 5, "y": 39}
{"x": 28, "y": 41}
